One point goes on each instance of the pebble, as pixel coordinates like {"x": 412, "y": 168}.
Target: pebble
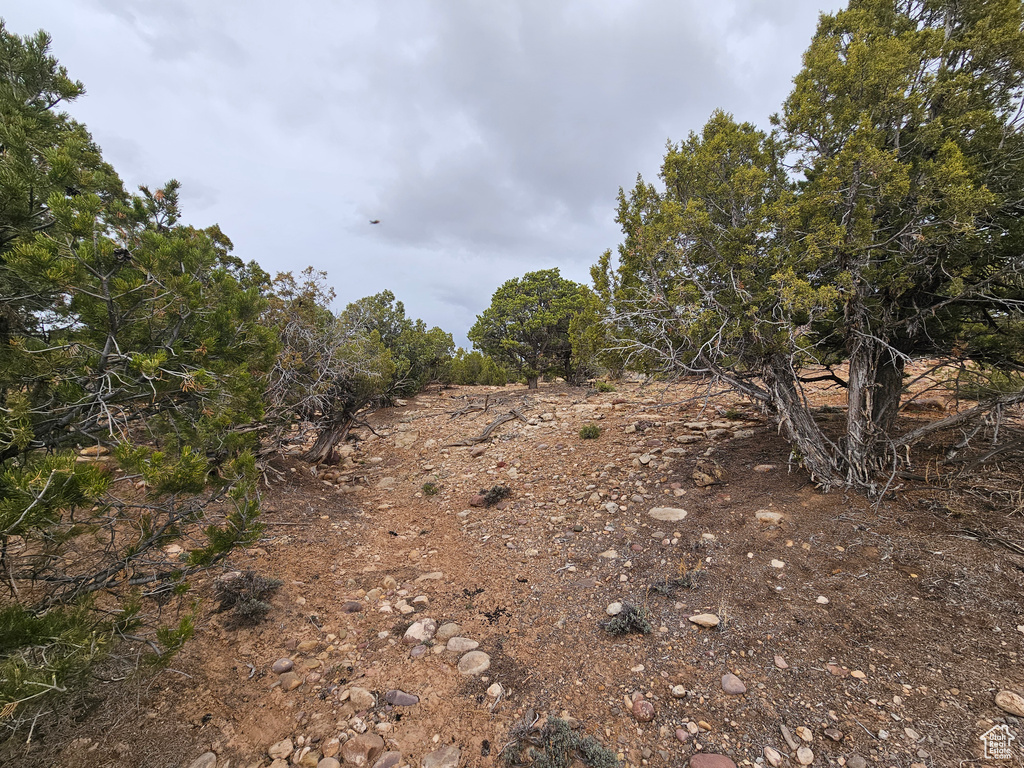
{"x": 351, "y": 606}
{"x": 462, "y": 644}
{"x": 778, "y": 564}
{"x": 643, "y": 710}
{"x": 397, "y": 698}
{"x": 788, "y": 737}
{"x": 613, "y": 609}
{"x": 474, "y": 663}
{"x": 447, "y": 630}
{"x": 328, "y": 762}
{"x": 707, "y": 760}
{"x": 609, "y": 554}
{"x": 420, "y": 632}
{"x": 362, "y": 750}
{"x": 822, "y": 600}
{"x": 781, "y": 662}
{"x": 205, "y": 760}
{"x": 282, "y": 749}
{"x": 768, "y": 517}
{"x": 682, "y": 735}
{"x": 418, "y": 651}
{"x": 804, "y": 756}
{"x": 361, "y": 698}
{"x": 445, "y": 757}
{"x": 1011, "y": 702}
{"x": 773, "y": 756}
{"x": 705, "y": 620}
{"x": 478, "y": 450}
{"x": 804, "y": 733}
{"x": 678, "y": 691}
{"x": 856, "y": 761}
{"x": 282, "y": 665}
{"x": 835, "y": 734}
{"x": 764, "y": 467}
{"x": 668, "y": 514}
{"x": 388, "y": 760}
{"x": 290, "y": 681}
{"x": 732, "y": 684}
{"x": 495, "y": 690}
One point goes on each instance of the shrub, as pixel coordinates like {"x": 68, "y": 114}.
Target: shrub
{"x": 604, "y": 386}
{"x": 630, "y": 619}
{"x": 590, "y": 432}
{"x": 430, "y": 489}
{"x": 246, "y": 593}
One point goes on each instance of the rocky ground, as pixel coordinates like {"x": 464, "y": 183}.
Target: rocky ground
{"x": 422, "y": 621}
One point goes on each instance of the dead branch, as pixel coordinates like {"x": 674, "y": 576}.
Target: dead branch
{"x": 515, "y": 413}
{"x": 960, "y": 418}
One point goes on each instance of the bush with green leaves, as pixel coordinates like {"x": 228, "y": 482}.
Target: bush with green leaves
{"x": 590, "y": 432}
{"x": 131, "y": 365}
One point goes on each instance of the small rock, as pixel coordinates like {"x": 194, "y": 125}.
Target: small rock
{"x": 773, "y": 756}
{"x": 764, "y": 467}
{"x": 478, "y": 450}
{"x": 361, "y": 698}
{"x": 822, "y": 600}
{"x": 447, "y": 630}
{"x": 705, "y": 620}
{"x": 328, "y": 762}
{"x": 682, "y": 735}
{"x": 205, "y": 760}
{"x": 678, "y": 691}
{"x": 445, "y": 757}
{"x": 778, "y": 564}
{"x": 613, "y": 609}
{"x": 804, "y": 756}
{"x": 805, "y": 733}
{"x": 290, "y": 681}
{"x": 419, "y": 651}
{"x": 707, "y": 760}
{"x": 856, "y": 761}
{"x": 609, "y": 554}
{"x": 858, "y": 674}
{"x": 495, "y": 690}
{"x": 462, "y": 644}
{"x": 768, "y": 517}
{"x": 733, "y": 685}
{"x": 912, "y": 734}
{"x": 1011, "y": 702}
{"x": 788, "y": 737}
{"x": 643, "y": 710}
{"x": 351, "y": 606}
{"x": 668, "y": 514}
{"x": 420, "y": 632}
{"x": 282, "y": 749}
{"x": 474, "y": 663}
{"x": 834, "y": 734}
{"x": 781, "y": 662}
{"x": 282, "y": 665}
{"x": 397, "y": 698}
{"x": 362, "y": 750}
{"x": 388, "y": 760}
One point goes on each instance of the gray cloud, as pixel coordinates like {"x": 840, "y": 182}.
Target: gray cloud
{"x": 489, "y": 138}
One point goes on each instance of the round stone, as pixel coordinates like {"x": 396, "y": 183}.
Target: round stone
{"x": 282, "y": 665}
{"x": 474, "y": 663}
{"x": 733, "y": 685}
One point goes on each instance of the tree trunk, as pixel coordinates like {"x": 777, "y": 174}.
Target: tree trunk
{"x": 817, "y": 453}
{"x": 531, "y": 382}
{"x": 330, "y": 436}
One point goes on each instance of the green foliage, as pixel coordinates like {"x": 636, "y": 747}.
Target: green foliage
{"x": 631, "y": 618}
{"x": 878, "y": 222}
{"x": 556, "y": 744}
{"x": 430, "y": 489}
{"x": 467, "y": 368}
{"x": 590, "y": 431}
{"x": 126, "y": 332}
{"x": 527, "y": 325}
{"x": 604, "y": 386}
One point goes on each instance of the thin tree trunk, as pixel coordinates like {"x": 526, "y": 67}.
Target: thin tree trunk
{"x": 531, "y": 382}
{"x": 329, "y": 437}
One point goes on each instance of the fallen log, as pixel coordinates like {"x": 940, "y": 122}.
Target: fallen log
{"x": 515, "y": 413}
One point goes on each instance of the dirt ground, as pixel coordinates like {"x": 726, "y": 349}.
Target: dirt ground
{"x": 868, "y": 631}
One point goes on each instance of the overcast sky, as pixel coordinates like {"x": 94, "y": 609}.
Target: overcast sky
{"x": 490, "y": 137}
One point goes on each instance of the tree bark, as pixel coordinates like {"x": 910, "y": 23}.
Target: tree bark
{"x": 531, "y": 382}
{"x": 330, "y": 436}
